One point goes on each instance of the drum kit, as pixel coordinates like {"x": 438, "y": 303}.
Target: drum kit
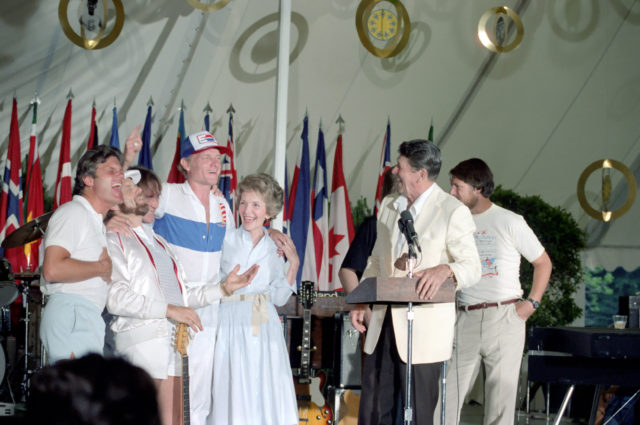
{"x": 11, "y": 286}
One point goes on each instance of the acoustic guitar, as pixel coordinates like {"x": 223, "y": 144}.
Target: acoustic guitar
{"x": 181, "y": 342}
{"x": 308, "y": 388}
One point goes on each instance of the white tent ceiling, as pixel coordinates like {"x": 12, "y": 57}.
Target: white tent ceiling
{"x": 569, "y": 95}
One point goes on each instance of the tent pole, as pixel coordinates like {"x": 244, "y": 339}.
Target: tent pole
{"x": 282, "y": 86}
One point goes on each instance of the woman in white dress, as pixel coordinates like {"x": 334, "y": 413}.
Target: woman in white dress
{"x": 252, "y": 381}
{"x": 148, "y": 294}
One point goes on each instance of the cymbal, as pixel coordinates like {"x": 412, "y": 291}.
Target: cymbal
{"x": 28, "y": 232}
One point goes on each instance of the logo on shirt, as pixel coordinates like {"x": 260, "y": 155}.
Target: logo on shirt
{"x": 487, "y": 250}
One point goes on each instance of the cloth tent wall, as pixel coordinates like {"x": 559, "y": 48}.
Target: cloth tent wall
{"x": 569, "y": 95}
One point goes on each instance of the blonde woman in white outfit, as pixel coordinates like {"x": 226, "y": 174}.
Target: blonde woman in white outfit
{"x": 252, "y": 381}
{"x": 148, "y": 294}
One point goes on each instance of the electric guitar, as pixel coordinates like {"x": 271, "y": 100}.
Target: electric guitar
{"x": 309, "y": 411}
{"x": 181, "y": 342}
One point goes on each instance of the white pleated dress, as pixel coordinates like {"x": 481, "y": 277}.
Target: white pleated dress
{"x": 252, "y": 380}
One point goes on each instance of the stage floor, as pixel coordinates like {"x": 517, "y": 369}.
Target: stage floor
{"x": 472, "y": 414}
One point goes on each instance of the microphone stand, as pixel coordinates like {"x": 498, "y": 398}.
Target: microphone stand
{"x": 408, "y": 411}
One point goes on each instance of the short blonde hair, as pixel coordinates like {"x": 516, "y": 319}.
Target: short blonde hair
{"x": 266, "y": 186}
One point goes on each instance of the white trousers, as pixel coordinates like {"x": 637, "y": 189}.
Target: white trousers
{"x": 494, "y": 337}
{"x": 200, "y": 350}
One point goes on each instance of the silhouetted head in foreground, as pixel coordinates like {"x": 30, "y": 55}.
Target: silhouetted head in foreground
{"x": 92, "y": 390}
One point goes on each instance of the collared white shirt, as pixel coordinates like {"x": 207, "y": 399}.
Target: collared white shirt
{"x": 400, "y": 205}
{"x": 78, "y": 228}
{"x": 180, "y": 219}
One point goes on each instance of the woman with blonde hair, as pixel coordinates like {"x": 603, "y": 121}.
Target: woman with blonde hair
{"x": 252, "y": 381}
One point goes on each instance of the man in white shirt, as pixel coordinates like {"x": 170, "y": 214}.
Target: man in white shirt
{"x": 492, "y": 314}
{"x": 76, "y": 264}
{"x": 445, "y": 231}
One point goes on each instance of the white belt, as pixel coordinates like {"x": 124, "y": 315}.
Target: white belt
{"x": 259, "y": 312}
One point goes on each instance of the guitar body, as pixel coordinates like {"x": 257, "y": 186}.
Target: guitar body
{"x": 312, "y": 408}
{"x": 309, "y": 413}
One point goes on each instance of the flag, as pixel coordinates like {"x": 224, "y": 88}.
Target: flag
{"x": 175, "y": 176}
{"x": 144, "y": 158}
{"x": 299, "y": 200}
{"x": 228, "y": 181}
{"x": 115, "y": 139}
{"x": 341, "y": 231}
{"x": 319, "y": 227}
{"x": 63, "y": 191}
{"x": 93, "y": 129}
{"x": 285, "y": 210}
{"x": 385, "y": 164}
{"x": 34, "y": 192}
{"x": 207, "y": 110}
{"x": 11, "y": 197}
{"x": 430, "y": 138}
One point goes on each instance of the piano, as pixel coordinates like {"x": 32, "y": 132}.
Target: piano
{"x": 584, "y": 356}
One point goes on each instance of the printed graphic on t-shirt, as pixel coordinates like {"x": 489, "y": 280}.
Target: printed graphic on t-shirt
{"x": 486, "y": 244}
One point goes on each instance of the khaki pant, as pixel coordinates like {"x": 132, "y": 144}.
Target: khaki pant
{"x": 494, "y": 337}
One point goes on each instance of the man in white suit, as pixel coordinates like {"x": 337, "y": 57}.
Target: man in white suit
{"x": 445, "y": 230}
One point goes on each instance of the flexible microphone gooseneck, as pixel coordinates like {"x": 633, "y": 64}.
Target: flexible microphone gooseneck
{"x": 406, "y": 227}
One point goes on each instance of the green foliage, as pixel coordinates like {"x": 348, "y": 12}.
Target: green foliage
{"x": 360, "y": 212}
{"x": 602, "y": 289}
{"x": 563, "y": 239}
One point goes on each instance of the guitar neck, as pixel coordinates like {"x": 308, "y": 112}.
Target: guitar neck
{"x": 185, "y": 391}
{"x": 305, "y": 358}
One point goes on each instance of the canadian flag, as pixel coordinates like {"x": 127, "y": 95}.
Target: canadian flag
{"x": 341, "y": 231}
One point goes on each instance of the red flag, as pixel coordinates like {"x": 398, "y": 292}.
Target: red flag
{"x": 63, "y": 191}
{"x": 35, "y": 201}
{"x": 341, "y": 231}
{"x": 385, "y": 164}
{"x": 175, "y": 176}
{"x": 11, "y": 198}
{"x": 93, "y": 129}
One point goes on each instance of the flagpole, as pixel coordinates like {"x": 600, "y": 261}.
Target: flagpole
{"x": 282, "y": 86}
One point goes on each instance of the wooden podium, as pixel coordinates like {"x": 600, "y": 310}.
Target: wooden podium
{"x": 400, "y": 290}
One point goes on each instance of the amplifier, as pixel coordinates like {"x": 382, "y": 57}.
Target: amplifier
{"x": 629, "y": 306}
{"x": 6, "y": 409}
{"x": 348, "y": 358}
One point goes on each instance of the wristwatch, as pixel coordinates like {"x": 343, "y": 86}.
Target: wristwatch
{"x": 534, "y": 303}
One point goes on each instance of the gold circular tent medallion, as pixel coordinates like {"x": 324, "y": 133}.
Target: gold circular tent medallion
{"x": 208, "y": 7}
{"x": 504, "y": 16}
{"x": 389, "y": 26}
{"x": 605, "y": 215}
{"x": 98, "y": 42}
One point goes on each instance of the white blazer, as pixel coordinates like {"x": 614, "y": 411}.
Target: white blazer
{"x": 445, "y": 228}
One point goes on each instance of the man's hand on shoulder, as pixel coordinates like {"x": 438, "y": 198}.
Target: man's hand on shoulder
{"x": 431, "y": 279}
{"x": 118, "y": 223}
{"x": 281, "y": 240}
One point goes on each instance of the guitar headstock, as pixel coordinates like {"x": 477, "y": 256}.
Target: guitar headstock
{"x": 181, "y": 338}
{"x": 307, "y": 293}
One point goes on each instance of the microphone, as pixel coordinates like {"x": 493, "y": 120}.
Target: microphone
{"x": 406, "y": 227}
